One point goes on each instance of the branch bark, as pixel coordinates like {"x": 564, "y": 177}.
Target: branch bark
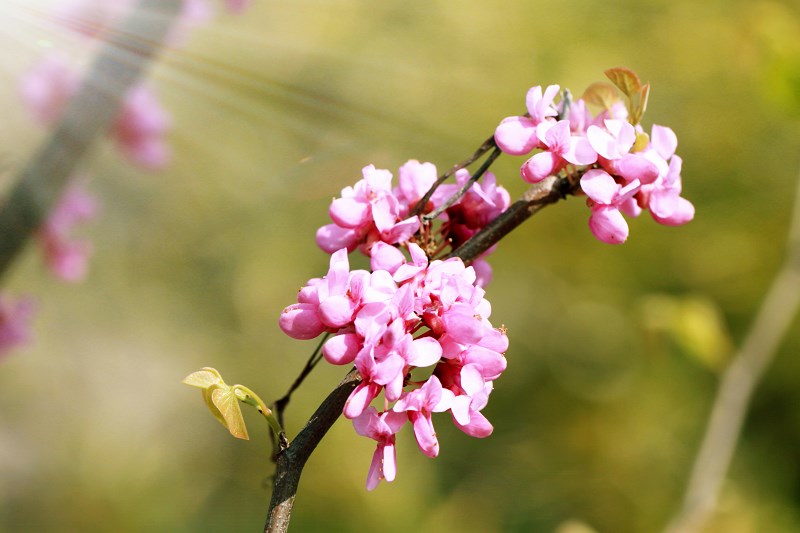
{"x": 736, "y": 388}
{"x": 290, "y": 461}
{"x": 119, "y": 64}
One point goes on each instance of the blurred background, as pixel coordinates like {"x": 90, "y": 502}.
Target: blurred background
{"x": 615, "y": 351}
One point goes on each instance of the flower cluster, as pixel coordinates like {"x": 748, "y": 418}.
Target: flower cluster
{"x": 373, "y": 211}
{"x": 621, "y": 168}
{"x": 401, "y": 316}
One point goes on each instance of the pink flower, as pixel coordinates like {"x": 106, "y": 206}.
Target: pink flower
{"x": 414, "y": 180}
{"x": 613, "y": 145}
{"x": 366, "y": 213}
{"x": 68, "y": 258}
{"x": 47, "y": 87}
{"x": 419, "y": 405}
{"x": 607, "y": 198}
{"x": 140, "y": 128}
{"x": 466, "y": 406}
{"x": 664, "y": 197}
{"x": 561, "y": 148}
{"x": 517, "y": 135}
{"x": 382, "y": 428}
{"x": 15, "y": 318}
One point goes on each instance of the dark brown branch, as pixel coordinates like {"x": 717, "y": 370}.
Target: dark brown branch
{"x": 119, "y": 64}
{"x": 546, "y": 192}
{"x": 290, "y": 462}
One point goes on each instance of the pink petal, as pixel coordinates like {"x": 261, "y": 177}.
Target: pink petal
{"x": 424, "y": 352}
{"x": 516, "y": 135}
{"x": 424, "y": 433}
{"x": 557, "y": 137}
{"x": 540, "y": 166}
{"x": 599, "y": 186}
{"x": 483, "y": 272}
{"x": 580, "y": 152}
{"x": 360, "y": 398}
{"x": 490, "y": 362}
{"x": 332, "y": 237}
{"x": 388, "y": 370}
{"x": 385, "y": 257}
{"x": 374, "y": 475}
{"x": 342, "y": 349}
{"x": 462, "y": 326}
{"x": 495, "y": 340}
{"x": 402, "y": 231}
{"x": 384, "y": 212}
{"x": 478, "y": 426}
{"x": 471, "y": 379}
{"x": 300, "y": 321}
{"x": 637, "y": 167}
{"x": 664, "y": 141}
{"x": 608, "y": 225}
{"x": 602, "y": 142}
{"x": 460, "y": 409}
{"x": 348, "y": 212}
{"x": 389, "y": 462}
{"x": 682, "y": 213}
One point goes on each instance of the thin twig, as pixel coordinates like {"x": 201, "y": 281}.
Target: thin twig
{"x": 464, "y": 188}
{"x": 119, "y": 64}
{"x": 736, "y": 388}
{"x": 281, "y": 404}
{"x": 487, "y": 145}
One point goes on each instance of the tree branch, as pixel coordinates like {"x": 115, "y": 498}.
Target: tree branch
{"x": 291, "y": 461}
{"x": 736, "y": 388}
{"x": 119, "y": 64}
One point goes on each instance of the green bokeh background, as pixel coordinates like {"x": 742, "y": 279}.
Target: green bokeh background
{"x": 615, "y": 351}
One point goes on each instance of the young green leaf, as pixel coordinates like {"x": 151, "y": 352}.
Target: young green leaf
{"x": 626, "y": 79}
{"x": 204, "y": 378}
{"x": 601, "y": 94}
{"x": 225, "y": 400}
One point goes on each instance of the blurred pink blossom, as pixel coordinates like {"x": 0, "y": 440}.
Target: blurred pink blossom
{"x": 15, "y": 319}
{"x": 66, "y": 257}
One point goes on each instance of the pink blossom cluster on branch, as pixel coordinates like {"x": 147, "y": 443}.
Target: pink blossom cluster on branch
{"x": 410, "y": 312}
{"x": 415, "y": 310}
{"x": 373, "y": 211}
{"x": 624, "y": 170}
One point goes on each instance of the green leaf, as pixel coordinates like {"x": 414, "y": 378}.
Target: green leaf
{"x": 626, "y": 79}
{"x": 212, "y": 407}
{"x": 204, "y": 378}
{"x": 639, "y": 104}
{"x": 225, "y": 400}
{"x": 601, "y": 94}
